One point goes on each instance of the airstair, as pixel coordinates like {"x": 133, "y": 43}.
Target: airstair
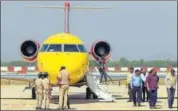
{"x": 98, "y": 89}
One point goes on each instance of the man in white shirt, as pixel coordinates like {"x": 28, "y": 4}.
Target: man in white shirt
{"x": 128, "y": 84}
{"x": 144, "y": 89}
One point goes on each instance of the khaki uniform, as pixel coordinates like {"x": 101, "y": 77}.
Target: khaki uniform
{"x": 64, "y": 87}
{"x": 46, "y": 92}
{"x": 39, "y": 92}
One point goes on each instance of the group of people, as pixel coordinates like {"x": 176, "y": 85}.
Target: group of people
{"x": 141, "y": 83}
{"x": 43, "y": 89}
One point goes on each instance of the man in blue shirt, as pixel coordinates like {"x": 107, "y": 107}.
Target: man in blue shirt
{"x": 136, "y": 85}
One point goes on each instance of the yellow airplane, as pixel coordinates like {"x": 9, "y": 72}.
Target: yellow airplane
{"x": 63, "y": 49}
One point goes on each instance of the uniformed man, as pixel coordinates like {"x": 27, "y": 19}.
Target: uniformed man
{"x": 46, "y": 91}
{"x": 63, "y": 87}
{"x": 39, "y": 91}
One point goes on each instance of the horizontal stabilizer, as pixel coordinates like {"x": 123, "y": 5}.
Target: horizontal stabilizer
{"x": 71, "y": 7}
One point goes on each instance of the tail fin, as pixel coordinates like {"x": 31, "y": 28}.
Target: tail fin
{"x": 66, "y": 9}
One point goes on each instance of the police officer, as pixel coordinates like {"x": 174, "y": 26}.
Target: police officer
{"x": 64, "y": 79}
{"x": 39, "y": 90}
{"x": 46, "y": 91}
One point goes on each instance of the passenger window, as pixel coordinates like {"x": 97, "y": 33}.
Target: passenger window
{"x": 54, "y": 48}
{"x": 82, "y": 48}
{"x": 70, "y": 48}
{"x": 44, "y": 47}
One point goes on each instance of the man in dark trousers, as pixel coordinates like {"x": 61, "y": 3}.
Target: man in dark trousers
{"x": 144, "y": 89}
{"x": 136, "y": 85}
{"x": 171, "y": 82}
{"x": 157, "y": 86}
{"x": 101, "y": 68}
{"x": 152, "y": 85}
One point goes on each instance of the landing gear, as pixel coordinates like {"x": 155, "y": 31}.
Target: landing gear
{"x": 33, "y": 93}
{"x": 89, "y": 93}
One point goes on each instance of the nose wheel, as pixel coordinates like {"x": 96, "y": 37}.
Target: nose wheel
{"x": 89, "y": 93}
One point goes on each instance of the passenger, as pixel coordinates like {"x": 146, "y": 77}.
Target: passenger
{"x": 152, "y": 84}
{"x": 46, "y": 91}
{"x": 157, "y": 85}
{"x": 146, "y": 84}
{"x": 64, "y": 86}
{"x": 170, "y": 81}
{"x": 136, "y": 85}
{"x": 144, "y": 89}
{"x": 39, "y": 91}
{"x": 128, "y": 84}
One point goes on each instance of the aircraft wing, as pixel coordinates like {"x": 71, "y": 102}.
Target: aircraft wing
{"x": 29, "y": 77}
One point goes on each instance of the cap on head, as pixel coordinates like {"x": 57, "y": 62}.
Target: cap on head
{"x": 62, "y": 67}
{"x": 45, "y": 74}
{"x": 40, "y": 75}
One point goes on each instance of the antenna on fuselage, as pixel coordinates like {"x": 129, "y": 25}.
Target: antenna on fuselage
{"x": 67, "y": 8}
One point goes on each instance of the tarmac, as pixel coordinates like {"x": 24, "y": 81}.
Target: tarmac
{"x": 13, "y": 98}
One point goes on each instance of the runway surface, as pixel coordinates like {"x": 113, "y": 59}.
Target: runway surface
{"x": 13, "y": 98}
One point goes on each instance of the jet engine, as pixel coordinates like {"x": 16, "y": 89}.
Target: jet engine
{"x": 29, "y": 50}
{"x": 101, "y": 49}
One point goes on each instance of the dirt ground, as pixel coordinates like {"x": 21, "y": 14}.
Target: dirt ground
{"x": 13, "y": 98}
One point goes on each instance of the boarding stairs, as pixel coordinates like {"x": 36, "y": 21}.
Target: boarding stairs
{"x": 97, "y": 88}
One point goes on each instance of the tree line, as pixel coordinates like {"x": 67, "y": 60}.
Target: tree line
{"x": 122, "y": 62}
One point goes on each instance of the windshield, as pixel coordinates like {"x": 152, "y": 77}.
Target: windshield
{"x": 82, "y": 48}
{"x": 54, "y": 48}
{"x": 70, "y": 48}
{"x": 44, "y": 47}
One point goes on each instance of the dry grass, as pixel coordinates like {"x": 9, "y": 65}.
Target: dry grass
{"x": 14, "y": 82}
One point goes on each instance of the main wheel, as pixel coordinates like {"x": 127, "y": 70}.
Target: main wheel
{"x": 95, "y": 96}
{"x": 88, "y": 93}
{"x": 33, "y": 93}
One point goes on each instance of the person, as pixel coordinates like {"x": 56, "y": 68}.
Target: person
{"x": 136, "y": 85}
{"x": 152, "y": 84}
{"x": 101, "y": 68}
{"x": 128, "y": 84}
{"x": 46, "y": 91}
{"x": 144, "y": 89}
{"x": 64, "y": 80}
{"x": 170, "y": 81}
{"x": 39, "y": 91}
{"x": 157, "y": 84}
{"x": 68, "y": 102}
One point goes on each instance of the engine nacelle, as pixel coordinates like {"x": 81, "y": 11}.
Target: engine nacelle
{"x": 29, "y": 50}
{"x": 101, "y": 49}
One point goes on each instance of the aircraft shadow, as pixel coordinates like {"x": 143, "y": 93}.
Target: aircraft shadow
{"x": 79, "y": 98}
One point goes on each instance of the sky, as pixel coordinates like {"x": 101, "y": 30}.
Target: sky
{"x": 135, "y": 30}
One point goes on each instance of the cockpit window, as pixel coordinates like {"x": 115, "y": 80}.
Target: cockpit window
{"x": 44, "y": 47}
{"x": 54, "y": 48}
{"x": 82, "y": 48}
{"x": 70, "y": 48}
